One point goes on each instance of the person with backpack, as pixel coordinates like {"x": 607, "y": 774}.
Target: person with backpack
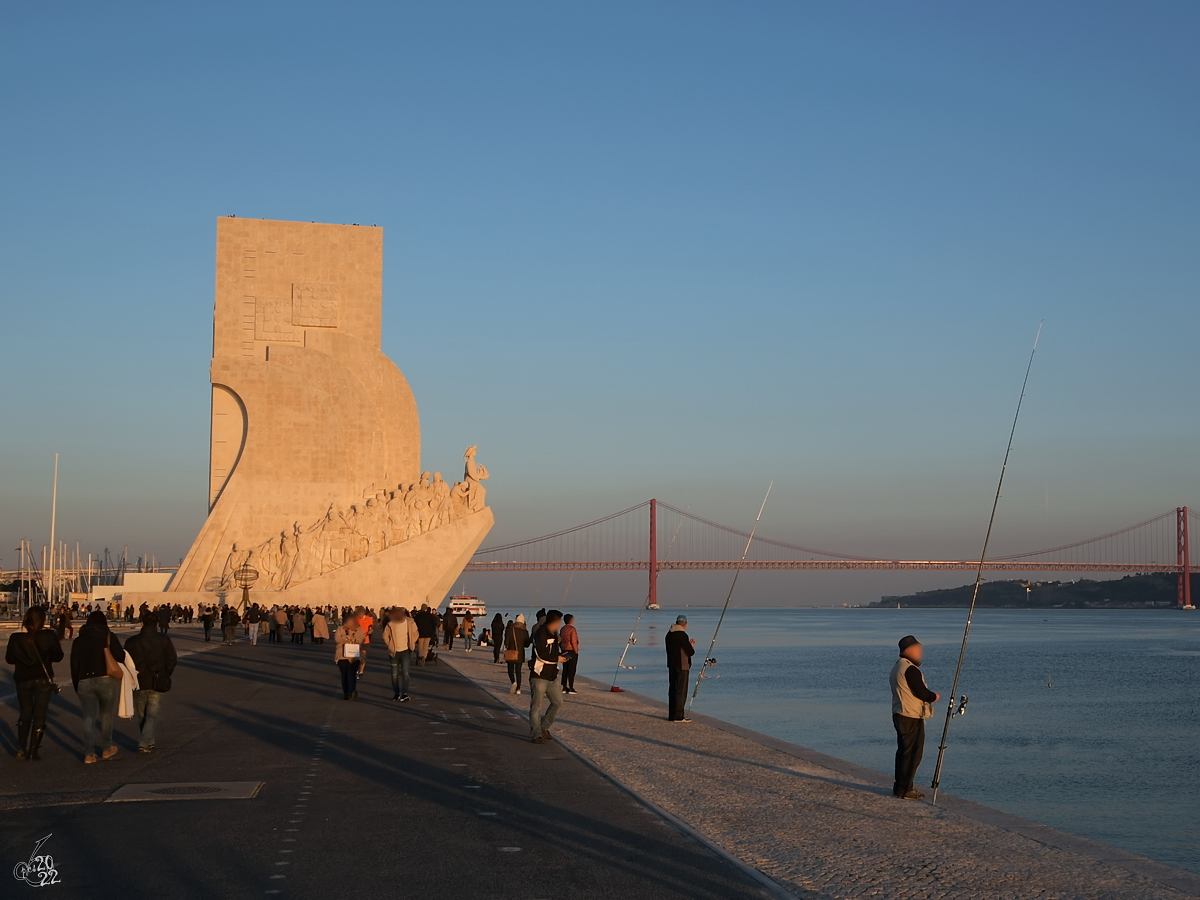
{"x": 543, "y": 677}
{"x": 97, "y": 679}
{"x": 449, "y": 627}
{"x": 33, "y": 653}
{"x": 154, "y": 657}
{"x": 516, "y": 639}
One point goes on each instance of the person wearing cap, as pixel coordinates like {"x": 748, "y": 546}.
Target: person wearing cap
{"x": 912, "y": 704}
{"x": 680, "y": 649}
{"x": 543, "y": 677}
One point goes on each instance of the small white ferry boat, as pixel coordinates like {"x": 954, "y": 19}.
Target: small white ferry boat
{"x": 465, "y": 603}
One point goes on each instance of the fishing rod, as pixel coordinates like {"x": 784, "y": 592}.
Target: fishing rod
{"x": 632, "y": 635}
{"x": 708, "y": 659}
{"x": 962, "y": 652}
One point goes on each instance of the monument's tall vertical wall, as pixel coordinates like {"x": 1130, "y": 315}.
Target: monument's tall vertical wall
{"x": 315, "y": 442}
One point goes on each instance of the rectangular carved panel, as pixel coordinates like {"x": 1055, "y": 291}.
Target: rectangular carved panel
{"x": 315, "y": 305}
{"x": 273, "y": 320}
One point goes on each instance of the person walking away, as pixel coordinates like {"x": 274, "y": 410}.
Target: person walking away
{"x": 449, "y": 627}
{"x": 912, "y": 704}
{"x": 32, "y": 654}
{"x": 497, "y": 638}
{"x": 468, "y": 631}
{"x": 298, "y": 626}
{"x": 320, "y": 627}
{"x": 516, "y": 639}
{"x": 680, "y": 649}
{"x": 401, "y": 636}
{"x": 254, "y": 621}
{"x": 568, "y": 638}
{"x": 164, "y": 618}
{"x": 348, "y": 645}
{"x": 154, "y": 657}
{"x": 427, "y": 631}
{"x": 96, "y": 676}
{"x": 366, "y": 622}
{"x": 543, "y": 677}
{"x": 206, "y": 619}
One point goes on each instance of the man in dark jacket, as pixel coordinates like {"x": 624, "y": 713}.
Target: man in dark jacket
{"x": 543, "y": 677}
{"x": 426, "y": 632}
{"x": 154, "y": 656}
{"x": 680, "y": 649}
{"x": 449, "y": 626}
{"x": 33, "y": 653}
{"x": 497, "y": 637}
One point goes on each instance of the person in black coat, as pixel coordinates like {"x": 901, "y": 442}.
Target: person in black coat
{"x": 97, "y": 691}
{"x": 497, "y": 637}
{"x": 33, "y": 653}
{"x": 154, "y": 656}
{"x": 680, "y": 649}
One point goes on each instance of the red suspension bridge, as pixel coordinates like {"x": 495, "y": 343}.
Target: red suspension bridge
{"x": 633, "y": 540}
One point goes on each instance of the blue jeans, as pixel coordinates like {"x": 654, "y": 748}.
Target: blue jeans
{"x": 145, "y": 710}
{"x": 539, "y": 688}
{"x": 98, "y": 700}
{"x": 400, "y": 664}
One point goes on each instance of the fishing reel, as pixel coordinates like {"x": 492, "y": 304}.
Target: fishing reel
{"x": 708, "y": 664}
{"x": 962, "y": 706}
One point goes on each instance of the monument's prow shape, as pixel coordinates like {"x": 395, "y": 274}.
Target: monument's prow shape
{"x": 314, "y": 472}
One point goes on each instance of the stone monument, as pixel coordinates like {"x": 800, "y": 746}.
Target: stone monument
{"x": 315, "y": 477}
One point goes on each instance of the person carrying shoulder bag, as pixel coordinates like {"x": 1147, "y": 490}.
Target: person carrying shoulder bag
{"x": 97, "y": 678}
{"x": 32, "y": 653}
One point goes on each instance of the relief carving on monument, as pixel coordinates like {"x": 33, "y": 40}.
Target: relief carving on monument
{"x": 345, "y": 536}
{"x": 315, "y": 305}
{"x": 273, "y": 320}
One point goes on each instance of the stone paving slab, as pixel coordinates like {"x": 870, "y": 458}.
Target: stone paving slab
{"x": 823, "y": 828}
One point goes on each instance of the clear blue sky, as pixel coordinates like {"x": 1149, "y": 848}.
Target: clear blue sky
{"x": 668, "y": 249}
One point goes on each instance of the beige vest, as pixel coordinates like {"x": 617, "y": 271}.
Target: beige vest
{"x": 903, "y": 701}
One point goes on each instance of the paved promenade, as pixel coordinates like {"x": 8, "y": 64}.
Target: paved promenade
{"x": 443, "y": 797}
{"x": 825, "y": 828}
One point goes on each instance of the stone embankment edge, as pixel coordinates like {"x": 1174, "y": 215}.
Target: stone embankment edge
{"x": 774, "y": 889}
{"x": 1179, "y": 879}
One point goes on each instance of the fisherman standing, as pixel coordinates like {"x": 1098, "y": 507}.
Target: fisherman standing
{"x": 912, "y": 704}
{"x": 680, "y": 649}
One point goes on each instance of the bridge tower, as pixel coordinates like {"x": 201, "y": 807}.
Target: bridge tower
{"x": 652, "y": 596}
{"x": 1184, "y": 556}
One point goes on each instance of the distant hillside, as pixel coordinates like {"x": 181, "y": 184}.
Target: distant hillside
{"x": 1133, "y": 591}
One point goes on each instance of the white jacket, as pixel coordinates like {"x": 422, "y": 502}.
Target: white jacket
{"x": 129, "y": 683}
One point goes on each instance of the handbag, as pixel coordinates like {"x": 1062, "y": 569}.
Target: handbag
{"x": 55, "y": 687}
{"x": 111, "y": 669}
{"x": 510, "y": 655}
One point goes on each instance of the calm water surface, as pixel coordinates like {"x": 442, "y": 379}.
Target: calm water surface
{"x": 1111, "y": 751}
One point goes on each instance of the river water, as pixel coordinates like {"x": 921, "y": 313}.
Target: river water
{"x": 1088, "y": 721}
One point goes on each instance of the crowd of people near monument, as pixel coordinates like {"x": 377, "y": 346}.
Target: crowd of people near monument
{"x": 130, "y": 680}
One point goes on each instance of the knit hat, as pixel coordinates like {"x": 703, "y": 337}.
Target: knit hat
{"x": 520, "y": 620}
{"x": 907, "y": 641}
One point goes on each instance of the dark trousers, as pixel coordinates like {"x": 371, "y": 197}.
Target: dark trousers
{"x": 910, "y": 744}
{"x": 497, "y": 647}
{"x": 208, "y": 631}
{"x": 449, "y": 640}
{"x": 568, "y": 676}
{"x": 349, "y": 669}
{"x": 400, "y": 667}
{"x": 677, "y": 692}
{"x": 34, "y": 698}
{"x": 514, "y": 672}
